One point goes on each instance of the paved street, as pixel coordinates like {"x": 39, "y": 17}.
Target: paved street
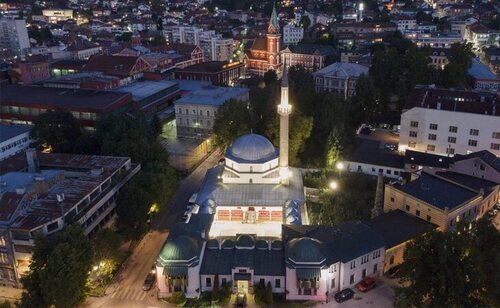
{"x": 127, "y": 292}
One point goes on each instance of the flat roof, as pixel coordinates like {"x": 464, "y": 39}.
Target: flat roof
{"x": 214, "y": 96}
{"x": 211, "y": 67}
{"x": 479, "y": 70}
{"x": 66, "y": 99}
{"x": 10, "y": 131}
{"x": 437, "y": 192}
{"x": 370, "y": 150}
{"x": 143, "y": 89}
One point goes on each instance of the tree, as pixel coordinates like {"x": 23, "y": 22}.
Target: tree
{"x": 57, "y": 129}
{"x": 456, "y": 72}
{"x": 232, "y": 121}
{"x": 155, "y": 126}
{"x": 305, "y": 22}
{"x": 133, "y": 205}
{"x": 106, "y": 245}
{"x": 269, "y": 294}
{"x": 300, "y": 131}
{"x": 215, "y": 289}
{"x": 364, "y": 101}
{"x": 58, "y": 270}
{"x": 270, "y": 77}
{"x": 159, "y": 180}
{"x": 452, "y": 269}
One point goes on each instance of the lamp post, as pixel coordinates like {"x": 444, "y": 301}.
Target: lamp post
{"x": 333, "y": 185}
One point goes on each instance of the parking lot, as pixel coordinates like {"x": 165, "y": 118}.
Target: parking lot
{"x": 380, "y": 297}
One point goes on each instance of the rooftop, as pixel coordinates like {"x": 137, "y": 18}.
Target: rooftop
{"x": 488, "y": 157}
{"x": 479, "y": 70}
{"x": 84, "y": 100}
{"x": 437, "y": 192}
{"x": 214, "y": 96}
{"x": 142, "y": 89}
{"x": 211, "y": 67}
{"x": 343, "y": 70}
{"x": 426, "y": 159}
{"x": 10, "y": 131}
{"x": 371, "y": 150}
{"x": 408, "y": 227}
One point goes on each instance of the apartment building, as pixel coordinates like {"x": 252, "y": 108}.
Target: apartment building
{"x": 14, "y": 36}
{"x": 40, "y": 193}
{"x": 435, "y": 40}
{"x": 292, "y": 34}
{"x": 464, "y": 192}
{"x": 449, "y": 122}
{"x": 214, "y": 46}
{"x": 339, "y": 78}
{"x": 13, "y": 139}
{"x": 311, "y": 57}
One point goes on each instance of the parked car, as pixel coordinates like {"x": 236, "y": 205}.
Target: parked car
{"x": 149, "y": 281}
{"x": 366, "y": 284}
{"x": 390, "y": 146}
{"x": 344, "y": 295}
{"x": 241, "y": 300}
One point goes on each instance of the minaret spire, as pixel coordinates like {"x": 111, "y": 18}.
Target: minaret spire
{"x": 284, "y": 110}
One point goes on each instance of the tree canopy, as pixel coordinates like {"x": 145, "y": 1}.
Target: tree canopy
{"x": 232, "y": 121}
{"x": 58, "y": 270}
{"x": 57, "y": 129}
{"x": 452, "y": 269}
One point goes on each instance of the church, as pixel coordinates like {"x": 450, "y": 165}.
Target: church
{"x": 251, "y": 226}
{"x": 264, "y": 53}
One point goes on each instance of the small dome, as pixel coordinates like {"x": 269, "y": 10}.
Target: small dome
{"x": 180, "y": 248}
{"x": 245, "y": 241}
{"x": 252, "y": 147}
{"x": 306, "y": 249}
{"x": 213, "y": 244}
{"x": 261, "y": 245}
{"x": 277, "y": 245}
{"x": 228, "y": 244}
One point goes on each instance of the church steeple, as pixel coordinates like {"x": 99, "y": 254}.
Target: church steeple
{"x": 274, "y": 25}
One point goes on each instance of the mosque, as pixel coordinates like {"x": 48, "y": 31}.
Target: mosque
{"x": 251, "y": 226}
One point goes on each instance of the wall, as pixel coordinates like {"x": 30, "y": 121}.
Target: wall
{"x": 14, "y": 145}
{"x": 272, "y": 279}
{"x": 368, "y": 169}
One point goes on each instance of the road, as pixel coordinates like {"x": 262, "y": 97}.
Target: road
{"x": 127, "y": 291}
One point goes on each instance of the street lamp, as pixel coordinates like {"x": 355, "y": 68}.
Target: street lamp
{"x": 340, "y": 167}
{"x": 333, "y": 185}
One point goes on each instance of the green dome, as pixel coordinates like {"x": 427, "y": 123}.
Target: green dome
{"x": 180, "y": 248}
{"x": 228, "y": 244}
{"x": 305, "y": 249}
{"x": 213, "y": 244}
{"x": 261, "y": 245}
{"x": 245, "y": 241}
{"x": 277, "y": 245}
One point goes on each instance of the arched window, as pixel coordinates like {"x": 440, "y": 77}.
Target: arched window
{"x": 391, "y": 260}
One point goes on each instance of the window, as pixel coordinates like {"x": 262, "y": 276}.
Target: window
{"x": 351, "y": 279}
{"x": 473, "y": 143}
{"x": 474, "y": 132}
{"x": 396, "y": 172}
{"x": 375, "y": 268}
{"x": 431, "y": 147}
{"x": 277, "y": 283}
{"x": 224, "y": 281}
{"x": 208, "y": 282}
{"x": 414, "y": 123}
{"x": 450, "y": 151}
{"x": 452, "y": 139}
{"x": 333, "y": 268}
{"x": 495, "y": 146}
{"x": 388, "y": 171}
{"x": 333, "y": 283}
{"x": 453, "y": 129}
{"x": 262, "y": 281}
{"x": 353, "y": 264}
{"x": 495, "y": 135}
{"x": 412, "y": 144}
{"x": 407, "y": 207}
{"x": 417, "y": 212}
{"x": 363, "y": 273}
{"x": 364, "y": 259}
{"x": 413, "y": 134}
{"x": 53, "y": 226}
{"x": 180, "y": 111}
{"x": 433, "y": 126}
{"x": 391, "y": 260}
{"x": 432, "y": 136}
{"x": 428, "y": 218}
{"x": 208, "y": 113}
{"x": 376, "y": 254}
{"x": 392, "y": 199}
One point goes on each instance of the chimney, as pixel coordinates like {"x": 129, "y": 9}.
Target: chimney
{"x": 32, "y": 159}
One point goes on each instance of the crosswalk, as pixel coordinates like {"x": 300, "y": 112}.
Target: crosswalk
{"x": 131, "y": 294}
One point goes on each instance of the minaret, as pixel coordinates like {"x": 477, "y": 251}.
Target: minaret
{"x": 284, "y": 110}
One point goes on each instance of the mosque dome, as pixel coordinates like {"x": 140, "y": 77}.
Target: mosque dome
{"x": 253, "y": 148}
{"x": 180, "y": 248}
{"x": 306, "y": 249}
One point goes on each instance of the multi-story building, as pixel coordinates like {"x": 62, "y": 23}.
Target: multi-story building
{"x": 309, "y": 56}
{"x": 14, "y": 35}
{"x": 339, "y": 78}
{"x": 364, "y": 28}
{"x": 440, "y": 57}
{"x": 22, "y": 104}
{"x": 292, "y": 34}
{"x": 435, "y": 40}
{"x": 53, "y": 16}
{"x": 480, "y": 35}
{"x": 30, "y": 71}
{"x": 47, "y": 191}
{"x": 404, "y": 22}
{"x": 483, "y": 79}
{"x": 13, "y": 139}
{"x": 214, "y": 46}
{"x": 449, "y": 122}
{"x": 219, "y": 73}
{"x": 195, "y": 113}
{"x": 465, "y": 192}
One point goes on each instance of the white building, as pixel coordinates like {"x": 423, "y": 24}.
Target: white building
{"x": 14, "y": 35}
{"x": 292, "y": 34}
{"x": 339, "y": 78}
{"x": 214, "y": 46}
{"x": 435, "y": 40}
{"x": 404, "y": 22}
{"x": 13, "y": 139}
{"x": 195, "y": 113}
{"x": 447, "y": 122}
{"x": 55, "y": 15}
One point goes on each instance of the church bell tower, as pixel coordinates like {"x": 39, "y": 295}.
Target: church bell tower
{"x": 284, "y": 110}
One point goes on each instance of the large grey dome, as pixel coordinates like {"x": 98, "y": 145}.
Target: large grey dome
{"x": 252, "y": 147}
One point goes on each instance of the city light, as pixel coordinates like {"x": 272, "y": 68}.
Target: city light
{"x": 333, "y": 185}
{"x": 340, "y": 166}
